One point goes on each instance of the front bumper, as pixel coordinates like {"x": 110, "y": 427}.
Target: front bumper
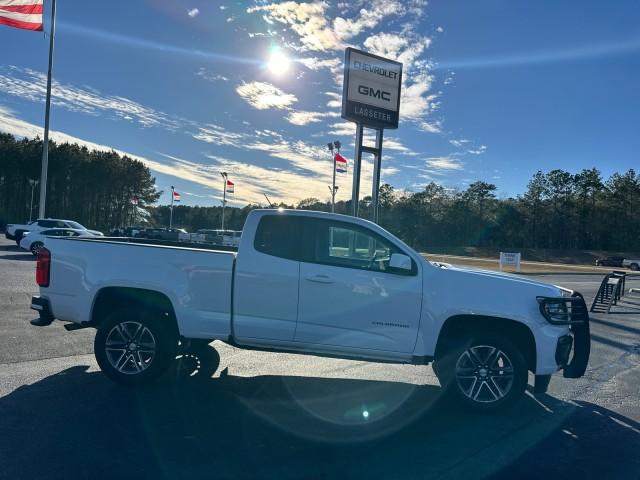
{"x": 576, "y": 315}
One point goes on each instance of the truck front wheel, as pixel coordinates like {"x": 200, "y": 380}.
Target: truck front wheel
{"x": 484, "y": 373}
{"x": 134, "y": 347}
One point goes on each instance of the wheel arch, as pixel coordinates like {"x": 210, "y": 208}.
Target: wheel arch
{"x": 109, "y": 298}
{"x": 463, "y": 326}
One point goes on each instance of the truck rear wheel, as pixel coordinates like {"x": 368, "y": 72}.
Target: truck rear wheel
{"x": 487, "y": 373}
{"x": 134, "y": 347}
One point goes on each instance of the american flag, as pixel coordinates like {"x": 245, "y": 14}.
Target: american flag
{"x": 341, "y": 163}
{"x": 176, "y": 196}
{"x": 230, "y": 186}
{"x": 25, "y": 14}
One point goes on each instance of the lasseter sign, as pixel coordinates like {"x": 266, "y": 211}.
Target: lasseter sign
{"x": 371, "y": 90}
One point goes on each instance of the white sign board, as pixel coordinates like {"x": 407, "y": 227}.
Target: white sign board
{"x": 510, "y": 259}
{"x": 371, "y": 90}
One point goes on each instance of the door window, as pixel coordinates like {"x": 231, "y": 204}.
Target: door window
{"x": 350, "y": 246}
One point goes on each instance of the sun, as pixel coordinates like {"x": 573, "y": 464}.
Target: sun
{"x": 278, "y": 62}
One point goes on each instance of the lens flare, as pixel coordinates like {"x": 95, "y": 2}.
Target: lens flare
{"x": 278, "y": 62}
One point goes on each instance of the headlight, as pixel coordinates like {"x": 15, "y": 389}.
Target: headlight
{"x": 563, "y": 310}
{"x": 555, "y": 309}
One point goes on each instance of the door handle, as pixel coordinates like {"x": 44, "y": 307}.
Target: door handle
{"x": 319, "y": 278}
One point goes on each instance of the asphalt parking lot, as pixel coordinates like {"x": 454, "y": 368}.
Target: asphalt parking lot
{"x": 229, "y": 413}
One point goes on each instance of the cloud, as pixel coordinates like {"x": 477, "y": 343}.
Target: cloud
{"x": 31, "y": 85}
{"x": 304, "y": 118}
{"x": 402, "y": 48}
{"x": 9, "y": 123}
{"x": 368, "y": 18}
{"x": 343, "y": 128}
{"x": 431, "y": 127}
{"x": 464, "y": 144}
{"x": 263, "y": 95}
{"x": 218, "y": 135}
{"x": 313, "y": 26}
{"x": 336, "y": 100}
{"x": 315, "y": 63}
{"x": 415, "y": 104}
{"x": 194, "y": 12}
{"x": 415, "y": 101}
{"x": 307, "y": 20}
{"x": 477, "y": 151}
{"x": 459, "y": 143}
{"x": 210, "y": 77}
{"x": 444, "y": 163}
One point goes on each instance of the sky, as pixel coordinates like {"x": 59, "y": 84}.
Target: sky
{"x": 492, "y": 90}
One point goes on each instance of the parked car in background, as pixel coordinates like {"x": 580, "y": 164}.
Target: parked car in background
{"x": 227, "y": 238}
{"x": 162, "y": 233}
{"x": 34, "y": 241}
{"x": 126, "y": 231}
{"x": 15, "y": 231}
{"x": 633, "y": 264}
{"x": 609, "y": 262}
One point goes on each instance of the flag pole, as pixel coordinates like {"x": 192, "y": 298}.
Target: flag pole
{"x": 171, "y": 209}
{"x": 333, "y": 186}
{"x": 45, "y": 145}
{"x": 224, "y": 197}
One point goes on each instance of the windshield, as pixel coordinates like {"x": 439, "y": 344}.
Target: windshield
{"x": 75, "y": 225}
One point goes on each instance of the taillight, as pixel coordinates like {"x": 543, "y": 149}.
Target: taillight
{"x": 43, "y": 267}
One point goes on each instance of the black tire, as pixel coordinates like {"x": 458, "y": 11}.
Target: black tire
{"x": 148, "y": 351}
{"x": 35, "y": 248}
{"x": 461, "y": 367}
{"x": 18, "y": 237}
{"x": 635, "y": 267}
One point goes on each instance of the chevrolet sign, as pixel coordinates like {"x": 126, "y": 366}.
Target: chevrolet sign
{"x": 371, "y": 90}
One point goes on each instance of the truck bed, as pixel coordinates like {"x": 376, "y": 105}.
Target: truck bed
{"x": 196, "y": 279}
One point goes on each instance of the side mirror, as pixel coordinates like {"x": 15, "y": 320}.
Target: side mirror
{"x": 400, "y": 262}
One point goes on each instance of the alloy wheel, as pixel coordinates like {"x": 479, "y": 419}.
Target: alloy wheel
{"x": 130, "y": 347}
{"x": 484, "y": 374}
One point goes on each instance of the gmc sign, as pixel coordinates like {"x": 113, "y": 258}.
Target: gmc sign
{"x": 371, "y": 91}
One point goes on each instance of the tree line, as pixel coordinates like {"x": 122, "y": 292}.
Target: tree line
{"x": 558, "y": 210}
{"x": 95, "y": 188}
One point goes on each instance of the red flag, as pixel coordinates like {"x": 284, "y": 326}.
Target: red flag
{"x": 25, "y": 14}
{"x": 176, "y": 196}
{"x": 341, "y": 163}
{"x": 230, "y": 186}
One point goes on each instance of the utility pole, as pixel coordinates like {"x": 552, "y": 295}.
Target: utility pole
{"x": 171, "y": 208}
{"x": 33, "y": 183}
{"x": 224, "y": 196}
{"x": 47, "y": 110}
{"x": 333, "y": 189}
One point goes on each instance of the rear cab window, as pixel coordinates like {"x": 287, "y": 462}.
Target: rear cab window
{"x": 280, "y": 236}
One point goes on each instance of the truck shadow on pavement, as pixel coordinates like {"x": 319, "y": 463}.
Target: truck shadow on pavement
{"x": 77, "y": 424}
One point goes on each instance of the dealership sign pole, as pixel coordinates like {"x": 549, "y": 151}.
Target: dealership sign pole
{"x": 371, "y": 99}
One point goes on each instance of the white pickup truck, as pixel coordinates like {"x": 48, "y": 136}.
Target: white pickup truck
{"x": 633, "y": 264}
{"x": 320, "y": 284}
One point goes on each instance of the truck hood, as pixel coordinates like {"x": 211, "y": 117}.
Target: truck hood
{"x": 497, "y": 282}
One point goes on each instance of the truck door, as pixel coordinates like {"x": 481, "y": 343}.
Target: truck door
{"x": 265, "y": 296}
{"x": 349, "y": 296}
